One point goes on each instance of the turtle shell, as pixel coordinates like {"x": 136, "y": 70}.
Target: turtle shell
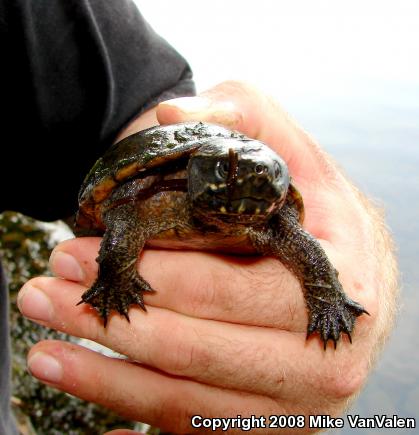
{"x": 143, "y": 151}
{"x": 295, "y": 200}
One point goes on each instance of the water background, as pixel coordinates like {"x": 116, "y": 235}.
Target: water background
{"x": 349, "y": 73}
{"x": 378, "y": 146}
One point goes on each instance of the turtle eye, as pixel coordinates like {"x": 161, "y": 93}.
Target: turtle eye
{"x": 221, "y": 169}
{"x": 260, "y": 168}
{"x": 277, "y": 170}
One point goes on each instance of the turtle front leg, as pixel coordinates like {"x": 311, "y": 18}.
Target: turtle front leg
{"x": 331, "y": 312}
{"x": 118, "y": 284}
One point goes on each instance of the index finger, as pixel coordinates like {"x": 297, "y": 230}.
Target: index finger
{"x": 242, "y": 107}
{"x": 331, "y": 203}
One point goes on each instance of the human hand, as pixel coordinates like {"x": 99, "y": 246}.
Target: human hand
{"x": 225, "y": 336}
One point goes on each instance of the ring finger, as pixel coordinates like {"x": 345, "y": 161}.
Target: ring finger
{"x": 252, "y": 291}
{"x": 203, "y": 350}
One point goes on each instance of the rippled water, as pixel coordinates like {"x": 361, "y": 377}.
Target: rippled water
{"x": 375, "y": 138}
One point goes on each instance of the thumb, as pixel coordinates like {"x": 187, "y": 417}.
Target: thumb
{"x": 243, "y": 107}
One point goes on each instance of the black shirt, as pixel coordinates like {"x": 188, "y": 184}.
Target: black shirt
{"x": 73, "y": 73}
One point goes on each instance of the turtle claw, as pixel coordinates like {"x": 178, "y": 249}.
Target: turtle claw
{"x": 312, "y": 326}
{"x": 333, "y": 319}
{"x": 116, "y": 292}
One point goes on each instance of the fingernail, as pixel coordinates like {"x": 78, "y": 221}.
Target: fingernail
{"x": 45, "y": 367}
{"x": 190, "y": 104}
{"x": 206, "y": 109}
{"x": 34, "y": 303}
{"x": 66, "y": 266}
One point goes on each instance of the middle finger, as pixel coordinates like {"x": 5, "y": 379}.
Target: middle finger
{"x": 256, "y": 291}
{"x": 279, "y": 364}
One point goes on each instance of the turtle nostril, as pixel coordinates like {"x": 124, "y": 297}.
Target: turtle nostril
{"x": 277, "y": 169}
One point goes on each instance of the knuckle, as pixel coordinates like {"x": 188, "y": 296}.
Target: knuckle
{"x": 345, "y": 380}
{"x": 203, "y": 293}
{"x": 40, "y": 282}
{"x": 89, "y": 326}
{"x": 269, "y": 288}
{"x": 212, "y": 291}
{"x": 173, "y": 414}
{"x": 224, "y": 288}
{"x": 187, "y": 356}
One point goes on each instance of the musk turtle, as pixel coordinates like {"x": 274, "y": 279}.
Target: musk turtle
{"x": 201, "y": 186}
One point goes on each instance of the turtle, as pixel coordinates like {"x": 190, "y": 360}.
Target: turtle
{"x": 201, "y": 186}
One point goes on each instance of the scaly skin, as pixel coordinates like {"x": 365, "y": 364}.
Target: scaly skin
{"x": 119, "y": 285}
{"x": 330, "y": 310}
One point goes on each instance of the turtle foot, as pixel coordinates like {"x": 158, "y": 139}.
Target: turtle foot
{"x": 331, "y": 319}
{"x": 116, "y": 293}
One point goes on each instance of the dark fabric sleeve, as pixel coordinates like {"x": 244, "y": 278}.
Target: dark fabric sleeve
{"x": 73, "y": 73}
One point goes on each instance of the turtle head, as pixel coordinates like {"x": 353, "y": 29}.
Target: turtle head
{"x": 239, "y": 179}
